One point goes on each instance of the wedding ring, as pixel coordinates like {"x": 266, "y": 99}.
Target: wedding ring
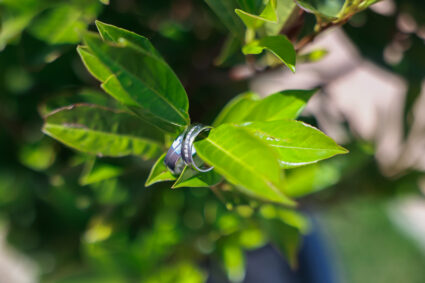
{"x": 188, "y": 150}
{"x": 173, "y": 159}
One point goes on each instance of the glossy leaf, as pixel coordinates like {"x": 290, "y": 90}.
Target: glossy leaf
{"x": 286, "y": 104}
{"x": 102, "y": 131}
{"x": 192, "y": 179}
{"x": 159, "y": 173}
{"x": 245, "y": 161}
{"x": 278, "y": 45}
{"x": 237, "y": 109}
{"x": 296, "y": 142}
{"x": 142, "y": 81}
{"x": 322, "y": 8}
{"x": 225, "y": 10}
{"x": 255, "y": 21}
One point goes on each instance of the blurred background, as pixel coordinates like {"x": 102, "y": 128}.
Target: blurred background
{"x": 69, "y": 217}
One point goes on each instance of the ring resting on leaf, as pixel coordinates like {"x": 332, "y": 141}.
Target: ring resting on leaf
{"x": 182, "y": 151}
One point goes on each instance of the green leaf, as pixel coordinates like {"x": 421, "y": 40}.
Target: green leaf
{"x": 279, "y": 45}
{"x": 284, "y": 10}
{"x": 85, "y": 96}
{"x": 286, "y": 104}
{"x": 95, "y": 171}
{"x": 252, "y": 21}
{"x": 190, "y": 178}
{"x": 115, "y": 34}
{"x": 327, "y": 9}
{"x": 143, "y": 82}
{"x": 296, "y": 142}
{"x": 230, "y": 48}
{"x": 237, "y": 109}
{"x": 245, "y": 161}
{"x": 159, "y": 173}
{"x": 102, "y": 131}
{"x": 224, "y": 9}
{"x": 313, "y": 56}
{"x": 12, "y": 24}
{"x": 233, "y": 259}
{"x": 93, "y": 64}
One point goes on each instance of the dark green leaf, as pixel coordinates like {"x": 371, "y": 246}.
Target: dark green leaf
{"x": 159, "y": 173}
{"x": 279, "y": 45}
{"x": 322, "y": 8}
{"x": 102, "y": 131}
{"x": 245, "y": 161}
{"x": 96, "y": 171}
{"x": 296, "y": 142}
{"x": 286, "y": 104}
{"x": 225, "y": 10}
{"x": 142, "y": 80}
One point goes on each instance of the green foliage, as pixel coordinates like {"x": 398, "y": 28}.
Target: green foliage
{"x": 278, "y": 45}
{"x": 115, "y": 229}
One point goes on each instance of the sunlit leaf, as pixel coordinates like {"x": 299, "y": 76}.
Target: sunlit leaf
{"x": 93, "y": 64}
{"x": 278, "y": 45}
{"x": 159, "y": 173}
{"x": 296, "y": 142}
{"x": 255, "y": 21}
{"x": 102, "y": 131}
{"x": 245, "y": 161}
{"x": 286, "y": 104}
{"x": 193, "y": 179}
{"x": 237, "y": 109}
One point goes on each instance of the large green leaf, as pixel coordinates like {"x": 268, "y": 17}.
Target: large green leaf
{"x": 237, "y": 109}
{"x": 279, "y": 45}
{"x": 296, "y": 142}
{"x": 141, "y": 80}
{"x": 225, "y": 10}
{"x": 102, "y": 131}
{"x": 286, "y": 104}
{"x": 190, "y": 178}
{"x": 245, "y": 161}
{"x": 253, "y": 21}
{"x": 159, "y": 173}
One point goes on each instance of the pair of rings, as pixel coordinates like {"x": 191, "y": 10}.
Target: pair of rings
{"x": 182, "y": 151}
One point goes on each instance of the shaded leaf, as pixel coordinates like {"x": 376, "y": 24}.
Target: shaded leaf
{"x": 225, "y": 10}
{"x": 286, "y": 104}
{"x": 296, "y": 142}
{"x": 193, "y": 179}
{"x": 159, "y": 173}
{"x": 237, "y": 109}
{"x": 95, "y": 171}
{"x": 245, "y": 161}
{"x": 279, "y": 45}
{"x": 102, "y": 131}
{"x": 323, "y": 8}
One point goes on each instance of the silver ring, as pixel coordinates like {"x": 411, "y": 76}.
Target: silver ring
{"x": 188, "y": 150}
{"x": 173, "y": 158}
